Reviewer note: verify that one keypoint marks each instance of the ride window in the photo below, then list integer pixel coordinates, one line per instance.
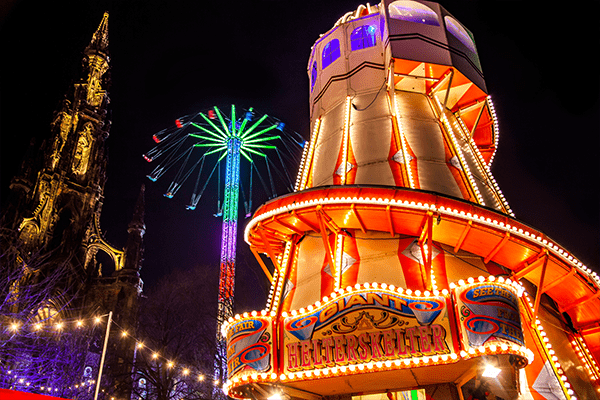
(313, 75)
(459, 32)
(412, 11)
(331, 52)
(362, 37)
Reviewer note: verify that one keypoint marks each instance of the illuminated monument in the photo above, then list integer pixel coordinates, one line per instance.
(400, 269)
(55, 206)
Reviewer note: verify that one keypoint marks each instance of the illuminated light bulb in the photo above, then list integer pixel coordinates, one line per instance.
(470, 280)
(124, 333)
(154, 355)
(481, 278)
(170, 364)
(97, 320)
(79, 323)
(37, 326)
(406, 361)
(59, 326)
(490, 371)
(186, 371)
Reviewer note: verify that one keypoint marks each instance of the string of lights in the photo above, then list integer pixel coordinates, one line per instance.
(14, 328)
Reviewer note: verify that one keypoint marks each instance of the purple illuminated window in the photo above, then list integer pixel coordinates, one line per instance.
(331, 52)
(412, 11)
(313, 75)
(362, 37)
(459, 32)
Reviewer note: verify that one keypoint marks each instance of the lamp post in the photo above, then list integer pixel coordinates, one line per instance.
(103, 355)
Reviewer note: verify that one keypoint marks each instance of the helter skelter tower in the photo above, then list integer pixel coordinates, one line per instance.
(400, 270)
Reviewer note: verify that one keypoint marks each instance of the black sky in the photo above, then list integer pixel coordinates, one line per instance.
(172, 58)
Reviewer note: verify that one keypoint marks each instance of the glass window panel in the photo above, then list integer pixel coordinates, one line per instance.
(331, 52)
(413, 12)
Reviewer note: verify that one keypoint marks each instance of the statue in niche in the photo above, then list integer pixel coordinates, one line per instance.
(82, 151)
(61, 138)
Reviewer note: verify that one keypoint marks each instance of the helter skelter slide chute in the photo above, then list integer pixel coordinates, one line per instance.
(198, 144)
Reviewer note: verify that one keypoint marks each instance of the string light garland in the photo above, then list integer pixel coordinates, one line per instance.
(69, 325)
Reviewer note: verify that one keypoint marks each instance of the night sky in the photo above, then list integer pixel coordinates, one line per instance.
(172, 58)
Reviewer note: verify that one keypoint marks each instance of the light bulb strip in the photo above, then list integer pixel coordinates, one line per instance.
(308, 162)
(586, 358)
(482, 165)
(546, 348)
(458, 151)
(346, 140)
(500, 226)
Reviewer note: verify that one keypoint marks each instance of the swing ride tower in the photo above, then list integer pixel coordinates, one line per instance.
(215, 135)
(400, 270)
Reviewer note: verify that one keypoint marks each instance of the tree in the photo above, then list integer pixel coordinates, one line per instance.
(177, 321)
(37, 352)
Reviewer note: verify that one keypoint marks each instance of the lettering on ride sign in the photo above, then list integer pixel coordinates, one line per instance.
(415, 341)
(364, 327)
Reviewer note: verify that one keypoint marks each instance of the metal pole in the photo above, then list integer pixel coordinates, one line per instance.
(103, 355)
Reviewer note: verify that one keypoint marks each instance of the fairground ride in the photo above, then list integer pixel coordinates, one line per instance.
(400, 269)
(197, 146)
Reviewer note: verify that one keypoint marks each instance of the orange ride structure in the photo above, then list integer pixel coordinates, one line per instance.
(400, 270)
